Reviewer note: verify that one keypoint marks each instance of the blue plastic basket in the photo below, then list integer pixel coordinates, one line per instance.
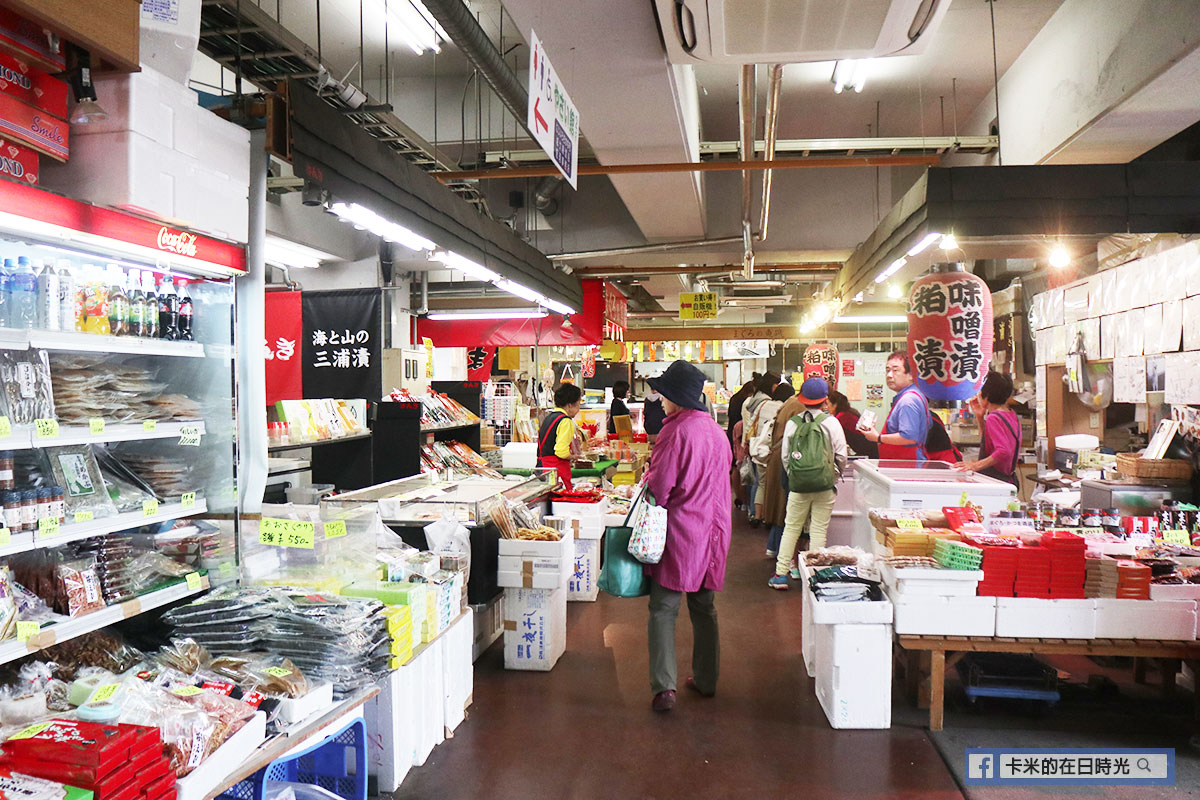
(338, 764)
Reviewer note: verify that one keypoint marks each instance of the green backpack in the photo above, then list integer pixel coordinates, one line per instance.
(809, 457)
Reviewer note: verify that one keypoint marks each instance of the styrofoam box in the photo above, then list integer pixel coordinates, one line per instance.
(128, 170)
(1158, 591)
(854, 674)
(519, 455)
(1145, 619)
(927, 615)
(858, 613)
(206, 778)
(599, 510)
(428, 708)
(930, 581)
(585, 527)
(458, 670)
(146, 102)
(515, 579)
(535, 628)
(533, 563)
(1032, 617)
(558, 557)
(168, 36)
(391, 733)
(808, 636)
(298, 709)
(582, 586)
(614, 520)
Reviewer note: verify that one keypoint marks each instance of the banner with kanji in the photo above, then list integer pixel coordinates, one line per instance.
(342, 347)
(280, 347)
(479, 363)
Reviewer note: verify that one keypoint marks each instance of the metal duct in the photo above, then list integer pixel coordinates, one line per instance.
(543, 199)
(769, 130)
(664, 247)
(747, 97)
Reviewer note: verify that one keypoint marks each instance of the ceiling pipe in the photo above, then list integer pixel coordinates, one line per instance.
(543, 195)
(747, 98)
(770, 129)
(812, 271)
(661, 247)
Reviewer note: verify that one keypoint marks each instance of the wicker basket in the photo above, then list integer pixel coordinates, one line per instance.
(1165, 470)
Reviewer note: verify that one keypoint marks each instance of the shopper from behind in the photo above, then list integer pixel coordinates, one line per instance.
(839, 405)
(653, 414)
(558, 431)
(814, 455)
(775, 492)
(685, 477)
(762, 427)
(999, 428)
(762, 394)
(907, 423)
(618, 407)
(736, 402)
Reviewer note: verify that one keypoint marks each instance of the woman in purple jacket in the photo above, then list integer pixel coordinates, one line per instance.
(688, 476)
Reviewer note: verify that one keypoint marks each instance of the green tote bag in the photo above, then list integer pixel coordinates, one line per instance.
(622, 574)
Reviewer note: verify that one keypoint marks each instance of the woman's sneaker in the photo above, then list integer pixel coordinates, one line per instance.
(778, 582)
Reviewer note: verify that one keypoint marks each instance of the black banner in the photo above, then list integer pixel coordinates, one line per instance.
(342, 343)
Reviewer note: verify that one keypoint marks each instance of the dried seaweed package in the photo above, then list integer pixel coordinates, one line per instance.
(28, 393)
(75, 468)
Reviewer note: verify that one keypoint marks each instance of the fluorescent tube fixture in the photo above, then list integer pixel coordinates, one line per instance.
(464, 265)
(519, 290)
(872, 319)
(290, 254)
(460, 315)
(557, 307)
(368, 220)
(891, 270)
(419, 30)
(850, 73)
(922, 245)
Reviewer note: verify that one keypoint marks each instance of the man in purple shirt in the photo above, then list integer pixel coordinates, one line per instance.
(688, 476)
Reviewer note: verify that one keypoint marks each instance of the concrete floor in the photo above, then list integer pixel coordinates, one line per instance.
(585, 729)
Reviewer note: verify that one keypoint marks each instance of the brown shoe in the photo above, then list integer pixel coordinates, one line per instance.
(690, 683)
(664, 701)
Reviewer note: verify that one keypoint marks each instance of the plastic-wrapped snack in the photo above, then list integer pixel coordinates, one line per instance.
(75, 469)
(270, 675)
(27, 389)
(187, 731)
(79, 587)
(227, 714)
(97, 649)
(226, 603)
(8, 606)
(30, 607)
(185, 655)
(148, 569)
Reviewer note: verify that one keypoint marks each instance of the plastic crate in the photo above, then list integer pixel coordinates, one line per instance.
(1008, 675)
(324, 764)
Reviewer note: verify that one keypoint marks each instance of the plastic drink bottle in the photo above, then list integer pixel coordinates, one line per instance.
(137, 304)
(185, 312)
(49, 291)
(150, 312)
(168, 310)
(66, 296)
(118, 301)
(23, 312)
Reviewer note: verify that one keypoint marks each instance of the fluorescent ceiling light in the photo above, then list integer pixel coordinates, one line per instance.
(920, 246)
(464, 265)
(281, 252)
(458, 315)
(419, 30)
(367, 219)
(519, 290)
(891, 270)
(895, 292)
(871, 319)
(557, 307)
(850, 73)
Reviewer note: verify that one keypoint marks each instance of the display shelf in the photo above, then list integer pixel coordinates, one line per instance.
(58, 632)
(24, 439)
(288, 471)
(74, 341)
(441, 428)
(85, 530)
(277, 448)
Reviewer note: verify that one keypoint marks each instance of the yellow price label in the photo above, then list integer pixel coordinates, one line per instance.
(1176, 537)
(286, 533)
(104, 692)
(149, 508)
(150, 426)
(226, 569)
(5, 427)
(910, 523)
(5, 537)
(186, 691)
(335, 529)
(84, 516)
(278, 672)
(49, 526)
(96, 426)
(31, 731)
(193, 581)
(188, 500)
(45, 428)
(962, 499)
(27, 629)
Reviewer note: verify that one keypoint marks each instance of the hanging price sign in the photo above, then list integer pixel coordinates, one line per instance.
(286, 533)
(335, 529)
(189, 436)
(149, 508)
(188, 500)
(45, 428)
(96, 426)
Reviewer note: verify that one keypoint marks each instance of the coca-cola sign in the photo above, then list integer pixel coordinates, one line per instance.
(178, 242)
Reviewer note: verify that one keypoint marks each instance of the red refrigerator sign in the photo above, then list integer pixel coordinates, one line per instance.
(282, 348)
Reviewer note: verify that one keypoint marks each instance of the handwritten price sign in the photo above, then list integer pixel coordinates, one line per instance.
(286, 533)
(45, 428)
(335, 529)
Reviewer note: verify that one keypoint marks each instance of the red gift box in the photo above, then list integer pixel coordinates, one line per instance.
(158, 787)
(102, 747)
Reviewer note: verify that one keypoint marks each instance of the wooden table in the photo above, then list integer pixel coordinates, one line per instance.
(946, 651)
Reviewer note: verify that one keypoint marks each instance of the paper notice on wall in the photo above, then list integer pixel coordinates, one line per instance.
(1135, 332)
(874, 395)
(1190, 258)
(1108, 336)
(1191, 323)
(1129, 380)
(853, 389)
(1075, 302)
(1172, 326)
(1153, 329)
(1091, 338)
(1183, 378)
(1171, 280)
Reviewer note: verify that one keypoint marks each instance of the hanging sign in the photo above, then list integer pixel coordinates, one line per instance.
(552, 117)
(588, 369)
(949, 334)
(282, 330)
(479, 363)
(698, 305)
(821, 360)
(341, 343)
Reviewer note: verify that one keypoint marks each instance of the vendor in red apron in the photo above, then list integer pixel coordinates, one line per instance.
(907, 424)
(558, 431)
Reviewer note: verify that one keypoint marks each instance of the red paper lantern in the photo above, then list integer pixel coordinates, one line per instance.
(821, 360)
(949, 333)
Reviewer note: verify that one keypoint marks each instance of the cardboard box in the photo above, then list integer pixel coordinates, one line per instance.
(535, 628)
(928, 615)
(1031, 617)
(1171, 620)
(854, 674)
(581, 586)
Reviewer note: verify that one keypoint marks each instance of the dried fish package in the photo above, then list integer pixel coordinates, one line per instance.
(75, 468)
(28, 395)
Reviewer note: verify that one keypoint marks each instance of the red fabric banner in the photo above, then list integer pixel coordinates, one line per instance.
(479, 363)
(586, 327)
(282, 347)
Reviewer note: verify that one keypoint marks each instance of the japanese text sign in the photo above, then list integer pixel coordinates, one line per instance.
(341, 343)
(949, 334)
(698, 305)
(821, 361)
(553, 118)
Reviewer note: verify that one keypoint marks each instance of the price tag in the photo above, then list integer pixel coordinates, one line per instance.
(188, 500)
(5, 427)
(150, 425)
(31, 731)
(149, 508)
(962, 499)
(910, 524)
(84, 516)
(189, 436)
(48, 526)
(335, 529)
(226, 569)
(186, 691)
(96, 426)
(278, 672)
(27, 629)
(5, 537)
(1176, 537)
(193, 581)
(104, 692)
(45, 428)
(286, 533)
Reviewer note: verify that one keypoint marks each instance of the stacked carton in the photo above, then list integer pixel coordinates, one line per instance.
(535, 576)
(587, 529)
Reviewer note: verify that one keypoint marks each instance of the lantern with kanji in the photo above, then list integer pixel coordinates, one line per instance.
(821, 360)
(949, 333)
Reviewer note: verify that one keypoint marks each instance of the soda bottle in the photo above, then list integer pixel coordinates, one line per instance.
(150, 311)
(168, 310)
(118, 301)
(137, 304)
(185, 313)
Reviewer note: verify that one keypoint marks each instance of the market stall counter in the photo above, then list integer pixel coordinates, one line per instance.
(408, 505)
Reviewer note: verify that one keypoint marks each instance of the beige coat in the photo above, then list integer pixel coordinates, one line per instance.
(775, 507)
